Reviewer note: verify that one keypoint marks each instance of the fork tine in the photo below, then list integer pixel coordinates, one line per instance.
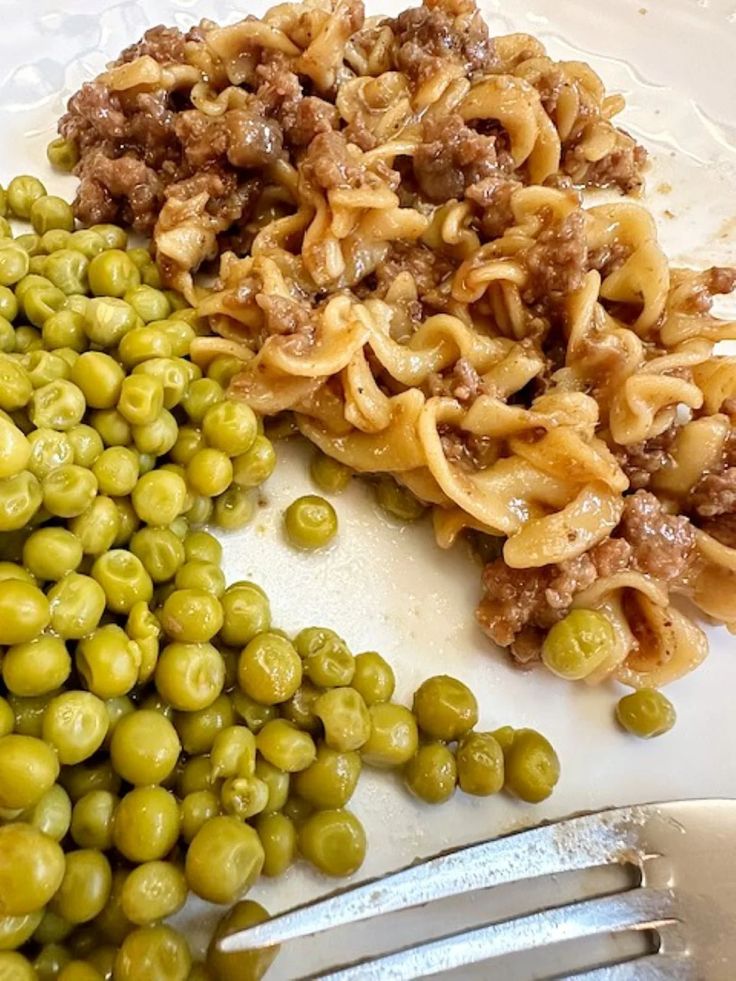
(563, 846)
(638, 909)
(652, 967)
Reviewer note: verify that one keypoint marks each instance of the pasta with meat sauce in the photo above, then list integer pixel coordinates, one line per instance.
(406, 264)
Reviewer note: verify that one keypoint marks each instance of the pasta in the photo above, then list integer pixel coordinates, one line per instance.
(406, 264)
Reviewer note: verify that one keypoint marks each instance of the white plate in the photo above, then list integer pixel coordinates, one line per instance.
(388, 587)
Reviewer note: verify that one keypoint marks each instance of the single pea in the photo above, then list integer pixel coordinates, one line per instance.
(53, 929)
(99, 377)
(646, 713)
(123, 579)
(200, 397)
(277, 782)
(92, 820)
(255, 466)
(445, 708)
(15, 385)
(7, 331)
(31, 869)
(160, 551)
(50, 961)
(286, 747)
(190, 676)
(55, 239)
(310, 522)
(58, 405)
(240, 965)
(153, 891)
(145, 748)
(200, 512)
(37, 667)
(49, 212)
(230, 426)
(209, 472)
(20, 500)
(67, 270)
(327, 661)
(233, 752)
(88, 242)
(234, 508)
(76, 603)
(16, 930)
(171, 373)
(85, 887)
(116, 709)
(201, 575)
(393, 737)
(159, 497)
(180, 335)
(27, 339)
(75, 724)
(243, 797)
(329, 782)
(28, 713)
(24, 612)
(195, 775)
(197, 808)
(112, 428)
(8, 305)
(68, 491)
(141, 399)
(269, 670)
(14, 264)
(299, 709)
(107, 319)
(102, 959)
(51, 814)
(15, 450)
(224, 368)
(150, 304)
(28, 768)
(333, 841)
(108, 661)
(129, 521)
(113, 236)
(112, 274)
(146, 824)
(86, 444)
(22, 192)
(345, 718)
(531, 765)
(50, 553)
(397, 501)
(7, 718)
(224, 859)
(62, 154)
(198, 730)
(16, 967)
(11, 570)
(44, 367)
(191, 616)
(79, 970)
(97, 527)
(251, 712)
(578, 644)
(480, 764)
(330, 476)
(117, 471)
(83, 779)
(373, 678)
(38, 305)
(153, 953)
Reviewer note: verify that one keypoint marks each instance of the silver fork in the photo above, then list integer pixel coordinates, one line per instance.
(683, 894)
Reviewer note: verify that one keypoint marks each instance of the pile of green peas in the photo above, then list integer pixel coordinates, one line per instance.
(158, 735)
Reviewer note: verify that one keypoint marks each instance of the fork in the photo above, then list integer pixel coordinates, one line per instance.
(683, 894)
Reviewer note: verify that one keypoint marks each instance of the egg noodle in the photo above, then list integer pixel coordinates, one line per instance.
(417, 280)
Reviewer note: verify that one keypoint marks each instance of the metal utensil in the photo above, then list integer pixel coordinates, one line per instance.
(683, 894)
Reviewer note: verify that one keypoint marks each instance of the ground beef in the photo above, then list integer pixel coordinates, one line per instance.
(462, 383)
(450, 157)
(722, 528)
(557, 261)
(493, 195)
(253, 140)
(622, 168)
(714, 494)
(662, 543)
(430, 35)
(328, 164)
(284, 315)
(164, 44)
(204, 139)
(123, 190)
(640, 461)
(609, 258)
(518, 599)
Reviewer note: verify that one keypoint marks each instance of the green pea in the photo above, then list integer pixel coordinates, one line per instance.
(49, 212)
(112, 274)
(112, 428)
(286, 747)
(128, 521)
(68, 490)
(333, 841)
(277, 782)
(156, 437)
(62, 154)
(201, 396)
(15, 385)
(329, 782)
(51, 553)
(150, 304)
(15, 450)
(7, 332)
(124, 580)
(8, 304)
(22, 192)
(14, 264)
(107, 319)
(201, 575)
(251, 712)
(24, 612)
(108, 661)
(480, 764)
(445, 708)
(310, 522)
(146, 824)
(144, 748)
(191, 616)
(373, 678)
(20, 500)
(37, 263)
(532, 768)
(230, 426)
(85, 888)
(160, 551)
(92, 820)
(116, 470)
(67, 270)
(241, 964)
(58, 405)
(330, 476)
(88, 242)
(197, 808)
(279, 841)
(200, 511)
(209, 472)
(97, 526)
(190, 676)
(40, 304)
(224, 368)
(44, 367)
(327, 661)
(28, 769)
(143, 343)
(83, 779)
(64, 329)
(86, 443)
(54, 240)
(179, 333)
(76, 604)
(75, 724)
(37, 667)
(243, 797)
(345, 718)
(199, 730)
(234, 508)
(31, 868)
(397, 501)
(224, 859)
(252, 468)
(173, 375)
(393, 736)
(646, 713)
(233, 753)
(153, 891)
(269, 670)
(299, 709)
(159, 497)
(141, 399)
(51, 814)
(578, 644)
